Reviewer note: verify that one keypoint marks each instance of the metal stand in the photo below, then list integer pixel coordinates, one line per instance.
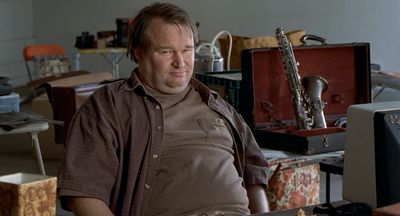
(31, 128)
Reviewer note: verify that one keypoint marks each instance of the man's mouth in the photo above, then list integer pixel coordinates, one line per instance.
(178, 73)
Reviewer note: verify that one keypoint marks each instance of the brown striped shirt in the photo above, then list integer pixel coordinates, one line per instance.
(114, 143)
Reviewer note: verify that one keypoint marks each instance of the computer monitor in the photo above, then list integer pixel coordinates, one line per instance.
(372, 154)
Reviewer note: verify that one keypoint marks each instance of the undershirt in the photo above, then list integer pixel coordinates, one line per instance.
(197, 174)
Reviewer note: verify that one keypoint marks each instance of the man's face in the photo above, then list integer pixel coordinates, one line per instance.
(167, 63)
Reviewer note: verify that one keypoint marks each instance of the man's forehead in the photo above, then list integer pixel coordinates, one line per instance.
(159, 30)
(158, 24)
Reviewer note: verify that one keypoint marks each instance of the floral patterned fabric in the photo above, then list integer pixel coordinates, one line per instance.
(295, 184)
(33, 198)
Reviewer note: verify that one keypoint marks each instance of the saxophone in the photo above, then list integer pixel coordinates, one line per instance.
(307, 103)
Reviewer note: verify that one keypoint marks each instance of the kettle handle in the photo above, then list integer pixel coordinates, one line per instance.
(214, 50)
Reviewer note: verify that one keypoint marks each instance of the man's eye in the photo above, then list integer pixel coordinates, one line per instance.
(166, 52)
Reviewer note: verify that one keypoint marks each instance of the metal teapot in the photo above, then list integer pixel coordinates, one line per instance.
(208, 59)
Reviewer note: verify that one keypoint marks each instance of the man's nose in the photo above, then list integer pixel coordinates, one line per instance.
(178, 60)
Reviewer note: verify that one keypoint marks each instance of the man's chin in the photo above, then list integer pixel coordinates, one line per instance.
(176, 89)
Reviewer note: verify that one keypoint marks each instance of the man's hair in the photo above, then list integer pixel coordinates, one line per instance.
(168, 12)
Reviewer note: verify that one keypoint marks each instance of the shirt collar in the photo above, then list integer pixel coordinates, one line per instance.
(133, 83)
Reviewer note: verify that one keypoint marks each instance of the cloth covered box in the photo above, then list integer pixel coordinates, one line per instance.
(27, 194)
(295, 184)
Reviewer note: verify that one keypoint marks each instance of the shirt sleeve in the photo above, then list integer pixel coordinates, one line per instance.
(90, 164)
(255, 164)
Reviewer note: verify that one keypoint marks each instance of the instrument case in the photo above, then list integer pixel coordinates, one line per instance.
(265, 99)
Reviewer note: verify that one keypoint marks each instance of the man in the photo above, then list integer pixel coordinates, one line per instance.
(160, 142)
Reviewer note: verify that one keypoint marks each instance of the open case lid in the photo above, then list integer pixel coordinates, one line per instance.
(265, 96)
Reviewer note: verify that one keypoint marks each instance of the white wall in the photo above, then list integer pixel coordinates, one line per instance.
(16, 30)
(58, 21)
(340, 21)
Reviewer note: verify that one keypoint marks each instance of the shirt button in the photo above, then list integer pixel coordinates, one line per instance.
(158, 107)
(147, 186)
(155, 156)
(159, 127)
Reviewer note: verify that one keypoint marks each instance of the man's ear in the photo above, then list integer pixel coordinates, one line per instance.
(138, 54)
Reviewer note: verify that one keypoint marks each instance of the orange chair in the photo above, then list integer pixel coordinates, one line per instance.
(31, 51)
(52, 51)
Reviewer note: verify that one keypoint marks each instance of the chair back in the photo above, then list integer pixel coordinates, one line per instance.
(31, 51)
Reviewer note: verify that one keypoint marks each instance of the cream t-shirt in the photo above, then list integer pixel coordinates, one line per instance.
(197, 174)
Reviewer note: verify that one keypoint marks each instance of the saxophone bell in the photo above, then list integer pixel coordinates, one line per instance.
(314, 86)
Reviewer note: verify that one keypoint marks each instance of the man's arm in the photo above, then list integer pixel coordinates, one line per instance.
(258, 202)
(84, 206)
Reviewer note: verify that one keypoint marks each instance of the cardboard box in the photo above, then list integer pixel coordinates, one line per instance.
(51, 148)
(27, 194)
(67, 95)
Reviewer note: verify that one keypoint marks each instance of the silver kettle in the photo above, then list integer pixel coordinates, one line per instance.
(208, 59)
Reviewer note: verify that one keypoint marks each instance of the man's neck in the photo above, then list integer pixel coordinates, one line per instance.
(166, 99)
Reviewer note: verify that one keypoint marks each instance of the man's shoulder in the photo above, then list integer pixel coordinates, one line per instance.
(111, 95)
(116, 87)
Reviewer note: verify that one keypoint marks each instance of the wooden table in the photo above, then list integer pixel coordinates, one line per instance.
(331, 166)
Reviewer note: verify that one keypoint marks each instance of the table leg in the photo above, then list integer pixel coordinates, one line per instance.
(328, 187)
(117, 57)
(114, 65)
(379, 92)
(38, 153)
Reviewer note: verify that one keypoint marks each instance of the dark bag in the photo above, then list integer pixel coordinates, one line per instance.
(5, 88)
